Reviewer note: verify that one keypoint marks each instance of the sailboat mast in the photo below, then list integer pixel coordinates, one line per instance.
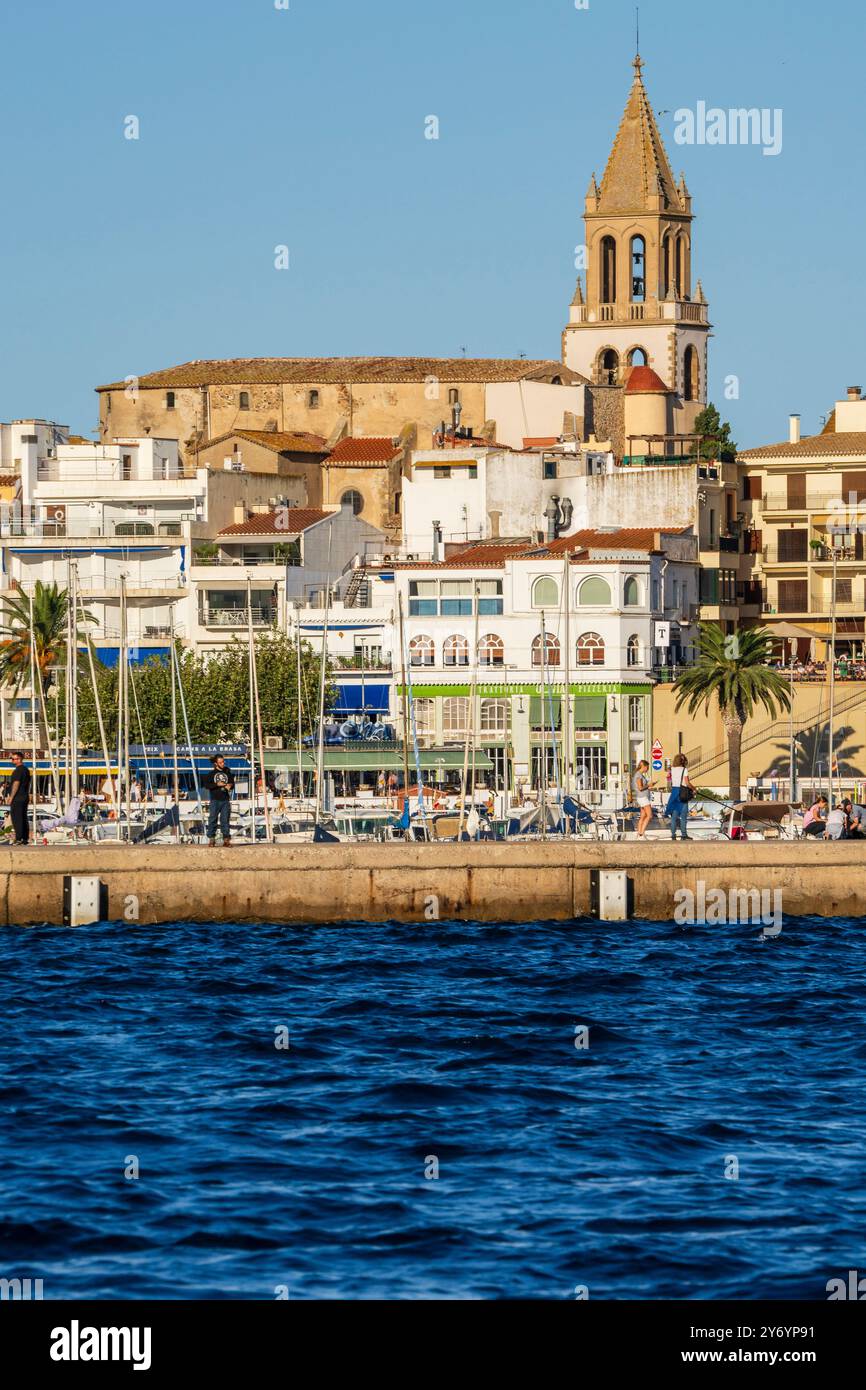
(405, 702)
(251, 677)
(832, 682)
(174, 732)
(567, 737)
(33, 710)
(124, 621)
(300, 710)
(320, 758)
(543, 729)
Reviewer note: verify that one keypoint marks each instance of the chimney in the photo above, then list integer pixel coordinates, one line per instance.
(794, 435)
(854, 393)
(437, 538)
(239, 515)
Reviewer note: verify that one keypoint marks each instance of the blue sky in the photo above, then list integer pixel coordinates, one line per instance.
(305, 127)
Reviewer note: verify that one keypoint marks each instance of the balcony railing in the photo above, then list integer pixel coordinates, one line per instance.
(237, 617)
(101, 470)
(62, 530)
(825, 502)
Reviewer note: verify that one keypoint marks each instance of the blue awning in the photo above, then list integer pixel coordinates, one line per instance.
(110, 656)
(357, 699)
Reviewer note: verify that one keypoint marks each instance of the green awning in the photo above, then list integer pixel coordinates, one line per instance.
(540, 712)
(590, 712)
(372, 759)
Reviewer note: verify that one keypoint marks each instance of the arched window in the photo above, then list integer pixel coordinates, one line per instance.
(545, 593)
(556, 381)
(553, 651)
(455, 715)
(691, 375)
(455, 651)
(590, 650)
(608, 371)
(594, 593)
(666, 265)
(453, 395)
(681, 267)
(422, 651)
(638, 270)
(633, 651)
(638, 357)
(313, 400)
(355, 499)
(491, 651)
(244, 400)
(608, 270)
(632, 592)
(425, 715)
(494, 716)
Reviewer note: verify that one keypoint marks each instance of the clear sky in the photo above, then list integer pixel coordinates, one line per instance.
(305, 127)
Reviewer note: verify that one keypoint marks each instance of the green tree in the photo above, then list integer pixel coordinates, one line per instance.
(732, 670)
(717, 443)
(50, 616)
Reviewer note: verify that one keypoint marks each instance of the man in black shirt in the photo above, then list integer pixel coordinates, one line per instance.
(220, 783)
(19, 798)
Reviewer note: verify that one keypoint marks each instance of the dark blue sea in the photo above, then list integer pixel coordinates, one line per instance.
(309, 1169)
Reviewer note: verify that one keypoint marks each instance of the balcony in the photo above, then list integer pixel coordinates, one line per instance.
(824, 502)
(237, 618)
(102, 471)
(76, 531)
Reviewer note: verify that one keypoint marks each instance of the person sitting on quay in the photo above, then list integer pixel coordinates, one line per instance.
(837, 823)
(815, 819)
(856, 820)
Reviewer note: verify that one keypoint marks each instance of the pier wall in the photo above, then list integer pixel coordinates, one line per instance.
(415, 883)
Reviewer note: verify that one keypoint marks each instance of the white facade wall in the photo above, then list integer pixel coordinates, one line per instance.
(531, 409)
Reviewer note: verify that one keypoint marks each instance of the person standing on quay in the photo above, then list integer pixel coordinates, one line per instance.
(220, 783)
(19, 798)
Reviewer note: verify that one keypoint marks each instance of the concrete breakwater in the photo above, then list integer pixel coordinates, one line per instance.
(522, 882)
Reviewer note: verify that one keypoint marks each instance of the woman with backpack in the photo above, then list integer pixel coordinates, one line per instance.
(682, 792)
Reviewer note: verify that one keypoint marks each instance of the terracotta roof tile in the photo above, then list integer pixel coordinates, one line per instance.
(291, 519)
(338, 371)
(372, 450)
(814, 446)
(643, 380)
(295, 442)
(9, 479)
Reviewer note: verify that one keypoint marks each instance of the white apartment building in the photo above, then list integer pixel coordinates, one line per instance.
(584, 619)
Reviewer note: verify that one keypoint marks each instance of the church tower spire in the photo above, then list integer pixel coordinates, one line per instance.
(640, 307)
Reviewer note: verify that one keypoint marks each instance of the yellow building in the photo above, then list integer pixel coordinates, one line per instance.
(807, 498)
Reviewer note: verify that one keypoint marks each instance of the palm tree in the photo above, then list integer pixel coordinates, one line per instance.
(733, 670)
(50, 619)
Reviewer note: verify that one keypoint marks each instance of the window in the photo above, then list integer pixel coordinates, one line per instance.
(545, 593)
(553, 651)
(632, 593)
(455, 652)
(793, 544)
(590, 650)
(244, 401)
(545, 713)
(635, 714)
(423, 598)
(313, 400)
(126, 467)
(494, 716)
(396, 503)
(594, 593)
(633, 651)
(793, 595)
(354, 499)
(169, 400)
(425, 716)
(455, 715)
(453, 396)
(638, 357)
(590, 765)
(638, 270)
(844, 593)
(489, 598)
(550, 468)
(422, 651)
(609, 368)
(456, 601)
(608, 270)
(797, 492)
(441, 472)
(666, 266)
(491, 651)
(691, 375)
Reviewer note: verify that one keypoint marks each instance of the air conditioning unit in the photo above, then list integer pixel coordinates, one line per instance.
(273, 744)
